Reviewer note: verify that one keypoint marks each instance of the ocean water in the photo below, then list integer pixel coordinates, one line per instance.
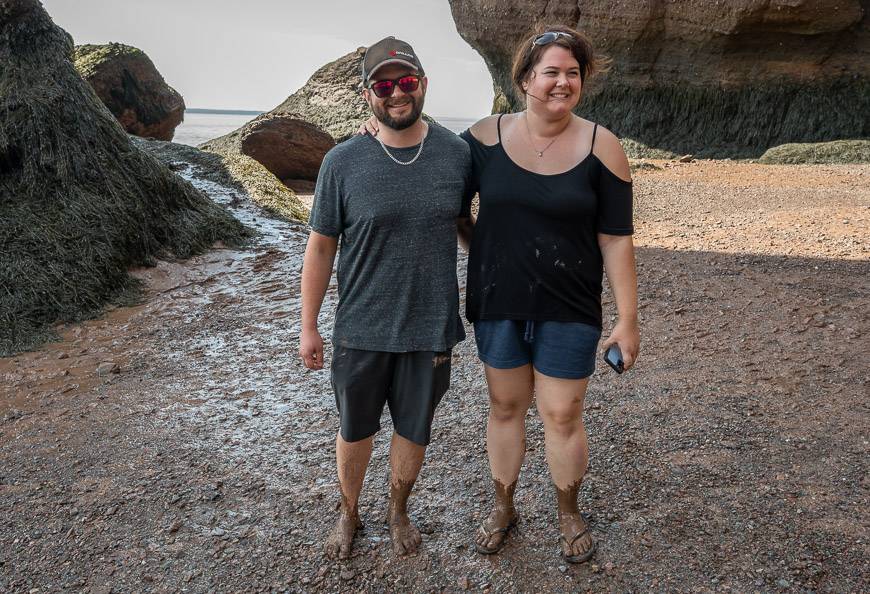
(455, 124)
(199, 127)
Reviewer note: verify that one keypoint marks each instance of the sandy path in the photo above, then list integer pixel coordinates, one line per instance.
(732, 459)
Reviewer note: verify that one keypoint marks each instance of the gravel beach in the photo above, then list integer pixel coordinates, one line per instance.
(179, 445)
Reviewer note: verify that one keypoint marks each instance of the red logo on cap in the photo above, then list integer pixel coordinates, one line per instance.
(392, 52)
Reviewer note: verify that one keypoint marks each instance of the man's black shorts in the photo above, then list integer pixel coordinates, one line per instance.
(411, 383)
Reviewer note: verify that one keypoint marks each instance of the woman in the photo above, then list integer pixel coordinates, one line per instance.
(555, 210)
(555, 205)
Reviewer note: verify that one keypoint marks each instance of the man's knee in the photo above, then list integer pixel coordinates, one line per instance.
(359, 440)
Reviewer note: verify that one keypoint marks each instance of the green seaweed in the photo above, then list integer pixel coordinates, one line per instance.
(638, 150)
(827, 153)
(500, 103)
(79, 203)
(734, 123)
(87, 58)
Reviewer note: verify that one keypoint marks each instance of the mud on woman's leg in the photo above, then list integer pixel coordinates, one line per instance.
(560, 403)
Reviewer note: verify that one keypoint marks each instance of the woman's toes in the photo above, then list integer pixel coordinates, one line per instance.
(582, 545)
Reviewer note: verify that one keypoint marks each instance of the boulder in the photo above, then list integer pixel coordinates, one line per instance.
(292, 139)
(79, 203)
(726, 78)
(288, 146)
(331, 98)
(128, 83)
(285, 144)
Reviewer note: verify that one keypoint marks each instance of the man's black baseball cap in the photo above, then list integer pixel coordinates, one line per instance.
(389, 51)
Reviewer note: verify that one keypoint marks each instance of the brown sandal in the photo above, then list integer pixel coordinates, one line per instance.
(568, 544)
(505, 531)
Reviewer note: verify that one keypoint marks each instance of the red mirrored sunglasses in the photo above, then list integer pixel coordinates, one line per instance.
(385, 88)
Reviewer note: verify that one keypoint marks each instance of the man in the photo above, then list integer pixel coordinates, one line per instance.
(393, 202)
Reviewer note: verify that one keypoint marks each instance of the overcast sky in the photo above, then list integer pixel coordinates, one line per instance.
(227, 54)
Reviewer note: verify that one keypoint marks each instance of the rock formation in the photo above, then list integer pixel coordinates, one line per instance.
(79, 204)
(726, 77)
(286, 145)
(126, 80)
(233, 170)
(835, 152)
(292, 139)
(331, 98)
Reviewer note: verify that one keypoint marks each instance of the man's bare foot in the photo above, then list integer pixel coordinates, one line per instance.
(339, 541)
(576, 539)
(491, 535)
(404, 535)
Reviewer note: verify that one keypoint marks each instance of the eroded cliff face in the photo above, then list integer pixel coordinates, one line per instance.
(711, 77)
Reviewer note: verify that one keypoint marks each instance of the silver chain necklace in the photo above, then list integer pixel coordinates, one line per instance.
(541, 152)
(419, 150)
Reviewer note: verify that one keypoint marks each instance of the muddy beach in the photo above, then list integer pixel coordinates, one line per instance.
(179, 445)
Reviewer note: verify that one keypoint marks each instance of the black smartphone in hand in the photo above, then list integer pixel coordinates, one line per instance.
(613, 357)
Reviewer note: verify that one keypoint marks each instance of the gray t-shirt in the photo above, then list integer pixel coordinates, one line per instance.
(397, 288)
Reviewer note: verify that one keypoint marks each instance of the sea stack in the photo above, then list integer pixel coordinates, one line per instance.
(292, 139)
(128, 83)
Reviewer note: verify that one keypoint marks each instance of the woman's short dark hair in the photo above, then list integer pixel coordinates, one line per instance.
(528, 54)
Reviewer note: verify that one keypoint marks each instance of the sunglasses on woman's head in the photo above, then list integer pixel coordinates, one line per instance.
(549, 37)
(385, 88)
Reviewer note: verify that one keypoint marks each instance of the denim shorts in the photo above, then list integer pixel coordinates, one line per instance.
(558, 349)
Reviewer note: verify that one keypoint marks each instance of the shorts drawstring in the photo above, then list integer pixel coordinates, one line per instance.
(529, 335)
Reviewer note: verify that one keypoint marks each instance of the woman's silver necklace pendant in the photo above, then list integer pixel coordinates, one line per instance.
(395, 160)
(541, 152)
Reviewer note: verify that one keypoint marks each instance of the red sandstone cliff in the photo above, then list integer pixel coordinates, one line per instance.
(732, 76)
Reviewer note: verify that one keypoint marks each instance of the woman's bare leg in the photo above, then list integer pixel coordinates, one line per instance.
(510, 395)
(560, 404)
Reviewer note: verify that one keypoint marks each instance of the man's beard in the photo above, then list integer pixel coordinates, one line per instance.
(382, 113)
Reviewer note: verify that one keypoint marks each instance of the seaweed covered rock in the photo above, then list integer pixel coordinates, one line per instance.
(234, 170)
(285, 144)
(128, 83)
(818, 153)
(727, 78)
(79, 203)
